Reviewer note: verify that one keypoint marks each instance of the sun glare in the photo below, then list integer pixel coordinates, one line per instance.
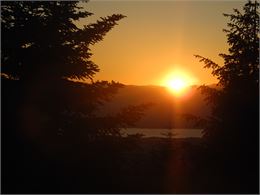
(177, 84)
(178, 81)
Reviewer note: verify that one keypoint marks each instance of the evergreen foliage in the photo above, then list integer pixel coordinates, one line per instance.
(237, 93)
(41, 39)
(46, 53)
(232, 130)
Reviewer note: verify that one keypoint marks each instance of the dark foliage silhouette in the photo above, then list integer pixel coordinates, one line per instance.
(49, 43)
(51, 134)
(232, 132)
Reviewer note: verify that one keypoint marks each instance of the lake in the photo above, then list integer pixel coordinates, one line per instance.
(179, 133)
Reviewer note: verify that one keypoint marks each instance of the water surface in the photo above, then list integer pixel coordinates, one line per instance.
(178, 133)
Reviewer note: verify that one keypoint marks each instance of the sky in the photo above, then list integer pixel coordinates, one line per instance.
(158, 38)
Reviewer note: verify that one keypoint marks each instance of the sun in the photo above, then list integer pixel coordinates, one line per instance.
(177, 81)
(176, 84)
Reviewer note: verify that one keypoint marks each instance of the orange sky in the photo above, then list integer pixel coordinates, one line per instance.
(158, 37)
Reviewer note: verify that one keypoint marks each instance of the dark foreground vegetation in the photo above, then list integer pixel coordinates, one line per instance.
(121, 165)
(53, 142)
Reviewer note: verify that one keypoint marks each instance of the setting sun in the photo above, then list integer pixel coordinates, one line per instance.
(176, 84)
(177, 81)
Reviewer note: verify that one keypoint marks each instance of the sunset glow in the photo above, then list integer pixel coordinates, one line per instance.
(177, 81)
(176, 84)
(137, 57)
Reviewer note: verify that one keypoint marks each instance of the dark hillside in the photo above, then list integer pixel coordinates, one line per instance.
(166, 109)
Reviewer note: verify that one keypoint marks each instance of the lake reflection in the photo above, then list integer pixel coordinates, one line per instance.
(178, 133)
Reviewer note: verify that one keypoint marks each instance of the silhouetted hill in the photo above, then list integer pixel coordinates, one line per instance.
(166, 110)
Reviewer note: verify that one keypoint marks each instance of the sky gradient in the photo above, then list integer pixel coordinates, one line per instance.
(157, 37)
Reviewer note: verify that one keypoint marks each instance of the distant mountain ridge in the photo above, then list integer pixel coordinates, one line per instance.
(167, 109)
